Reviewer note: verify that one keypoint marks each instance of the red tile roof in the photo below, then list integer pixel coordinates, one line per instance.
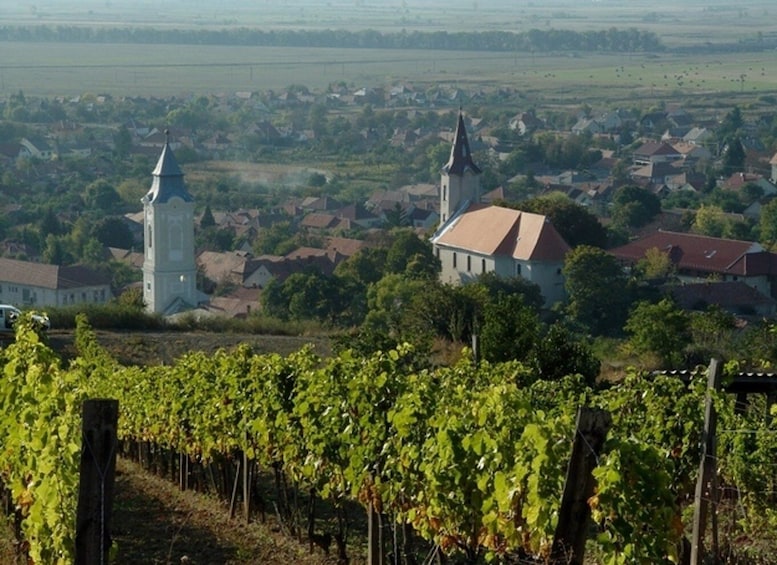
(705, 254)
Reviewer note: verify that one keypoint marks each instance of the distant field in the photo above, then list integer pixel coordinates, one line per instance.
(53, 69)
(677, 23)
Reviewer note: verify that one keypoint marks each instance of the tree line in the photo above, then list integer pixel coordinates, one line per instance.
(535, 40)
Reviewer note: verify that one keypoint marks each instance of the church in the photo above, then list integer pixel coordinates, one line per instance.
(476, 238)
(169, 269)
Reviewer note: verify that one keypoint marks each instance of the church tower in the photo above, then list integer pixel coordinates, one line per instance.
(169, 270)
(460, 177)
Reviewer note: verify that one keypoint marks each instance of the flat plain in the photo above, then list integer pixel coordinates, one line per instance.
(70, 69)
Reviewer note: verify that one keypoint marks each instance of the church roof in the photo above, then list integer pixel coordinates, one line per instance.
(493, 230)
(168, 179)
(460, 160)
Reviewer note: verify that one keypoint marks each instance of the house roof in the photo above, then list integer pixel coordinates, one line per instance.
(54, 277)
(344, 245)
(738, 180)
(652, 148)
(460, 160)
(223, 266)
(514, 233)
(703, 254)
(319, 221)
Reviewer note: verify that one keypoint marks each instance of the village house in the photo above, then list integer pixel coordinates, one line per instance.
(25, 283)
(699, 258)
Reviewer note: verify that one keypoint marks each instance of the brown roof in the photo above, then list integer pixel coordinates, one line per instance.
(54, 277)
(656, 148)
(344, 245)
(738, 180)
(493, 230)
(225, 266)
(318, 220)
(704, 254)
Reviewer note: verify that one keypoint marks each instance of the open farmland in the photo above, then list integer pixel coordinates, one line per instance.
(678, 23)
(53, 69)
(692, 31)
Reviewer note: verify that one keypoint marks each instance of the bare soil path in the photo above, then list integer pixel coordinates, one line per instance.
(154, 523)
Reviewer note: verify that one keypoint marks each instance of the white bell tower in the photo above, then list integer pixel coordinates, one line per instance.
(169, 269)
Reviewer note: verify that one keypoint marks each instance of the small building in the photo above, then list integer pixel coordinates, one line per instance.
(699, 258)
(25, 283)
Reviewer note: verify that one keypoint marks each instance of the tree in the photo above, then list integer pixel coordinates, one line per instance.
(389, 301)
(364, 267)
(122, 142)
(768, 224)
(634, 206)
(55, 252)
(559, 353)
(731, 124)
(662, 329)
(733, 156)
(598, 290)
(656, 264)
(405, 246)
(509, 329)
(573, 222)
(494, 284)
(207, 220)
(113, 232)
(101, 196)
(272, 238)
(710, 220)
(49, 223)
(396, 217)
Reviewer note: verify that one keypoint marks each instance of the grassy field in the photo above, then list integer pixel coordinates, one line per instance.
(51, 69)
(54, 69)
(676, 22)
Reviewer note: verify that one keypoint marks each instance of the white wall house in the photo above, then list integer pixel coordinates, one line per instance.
(23, 283)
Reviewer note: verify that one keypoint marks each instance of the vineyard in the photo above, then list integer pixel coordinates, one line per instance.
(460, 464)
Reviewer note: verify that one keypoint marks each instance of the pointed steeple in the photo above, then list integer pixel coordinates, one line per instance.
(461, 156)
(168, 178)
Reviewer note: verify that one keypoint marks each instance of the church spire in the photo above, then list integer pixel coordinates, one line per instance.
(460, 176)
(461, 156)
(168, 177)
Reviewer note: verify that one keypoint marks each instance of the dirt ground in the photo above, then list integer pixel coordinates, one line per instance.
(155, 523)
(153, 348)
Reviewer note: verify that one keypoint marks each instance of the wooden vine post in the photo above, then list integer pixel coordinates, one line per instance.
(706, 483)
(374, 536)
(574, 514)
(97, 472)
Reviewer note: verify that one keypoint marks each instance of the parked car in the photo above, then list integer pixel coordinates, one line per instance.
(9, 314)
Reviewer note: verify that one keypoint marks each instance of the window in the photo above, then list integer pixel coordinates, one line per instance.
(150, 236)
(483, 266)
(454, 260)
(518, 269)
(469, 263)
